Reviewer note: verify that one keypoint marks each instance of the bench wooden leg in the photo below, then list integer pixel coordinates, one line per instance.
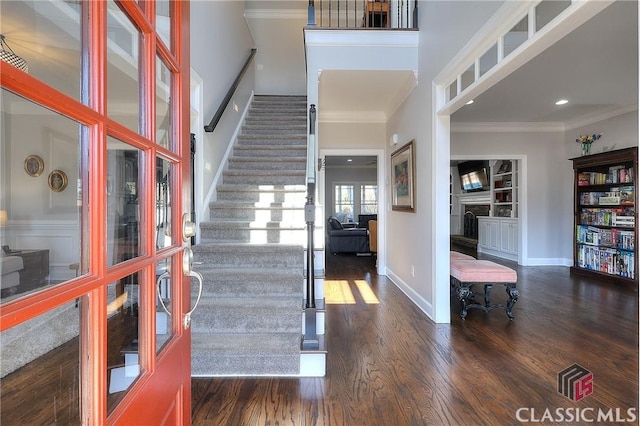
(467, 296)
(513, 294)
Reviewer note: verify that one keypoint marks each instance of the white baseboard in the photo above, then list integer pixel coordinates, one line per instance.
(424, 305)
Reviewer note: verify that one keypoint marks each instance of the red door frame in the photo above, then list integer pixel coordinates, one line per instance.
(162, 394)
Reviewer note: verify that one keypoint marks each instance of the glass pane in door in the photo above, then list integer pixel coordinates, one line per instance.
(163, 203)
(164, 330)
(123, 87)
(40, 369)
(123, 364)
(40, 207)
(47, 36)
(163, 21)
(163, 105)
(123, 208)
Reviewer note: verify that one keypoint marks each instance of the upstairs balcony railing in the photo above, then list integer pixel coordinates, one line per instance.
(352, 14)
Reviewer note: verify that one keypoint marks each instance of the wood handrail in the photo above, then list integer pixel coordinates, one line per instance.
(223, 105)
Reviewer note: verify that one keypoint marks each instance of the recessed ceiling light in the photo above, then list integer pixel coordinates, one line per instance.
(470, 102)
(349, 160)
(562, 102)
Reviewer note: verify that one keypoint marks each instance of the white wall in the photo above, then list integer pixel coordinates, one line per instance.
(444, 28)
(279, 62)
(220, 45)
(351, 135)
(618, 132)
(549, 195)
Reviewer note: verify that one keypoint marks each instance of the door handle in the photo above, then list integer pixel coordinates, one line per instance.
(188, 227)
(187, 264)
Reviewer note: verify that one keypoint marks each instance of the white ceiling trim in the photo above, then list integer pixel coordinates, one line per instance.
(353, 117)
(507, 127)
(402, 94)
(363, 38)
(603, 114)
(275, 14)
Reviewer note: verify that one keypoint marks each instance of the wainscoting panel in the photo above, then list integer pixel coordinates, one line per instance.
(61, 238)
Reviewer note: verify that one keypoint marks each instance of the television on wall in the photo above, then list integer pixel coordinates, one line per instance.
(473, 175)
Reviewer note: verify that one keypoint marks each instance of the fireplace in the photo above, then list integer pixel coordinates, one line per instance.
(470, 219)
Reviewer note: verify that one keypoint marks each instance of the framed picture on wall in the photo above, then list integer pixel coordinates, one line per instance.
(403, 178)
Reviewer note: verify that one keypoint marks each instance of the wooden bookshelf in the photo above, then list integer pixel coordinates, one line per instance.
(504, 188)
(605, 215)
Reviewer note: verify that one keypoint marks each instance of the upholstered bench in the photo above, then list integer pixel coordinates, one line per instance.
(465, 273)
(455, 255)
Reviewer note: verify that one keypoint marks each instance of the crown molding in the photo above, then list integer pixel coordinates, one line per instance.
(529, 127)
(352, 117)
(507, 127)
(603, 114)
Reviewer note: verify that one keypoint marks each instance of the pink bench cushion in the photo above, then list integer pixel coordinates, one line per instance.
(482, 271)
(454, 255)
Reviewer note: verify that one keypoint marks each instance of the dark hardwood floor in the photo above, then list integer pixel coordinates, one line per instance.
(388, 364)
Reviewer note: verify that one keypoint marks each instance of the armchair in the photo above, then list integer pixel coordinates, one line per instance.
(341, 240)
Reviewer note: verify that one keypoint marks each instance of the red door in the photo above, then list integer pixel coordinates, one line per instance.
(94, 185)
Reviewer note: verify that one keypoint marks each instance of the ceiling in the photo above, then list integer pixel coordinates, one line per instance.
(333, 161)
(595, 67)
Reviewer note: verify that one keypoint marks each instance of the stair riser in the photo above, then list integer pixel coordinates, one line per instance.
(229, 178)
(238, 320)
(275, 119)
(293, 164)
(259, 260)
(262, 196)
(273, 140)
(249, 214)
(226, 286)
(254, 236)
(264, 130)
(285, 152)
(224, 366)
(293, 116)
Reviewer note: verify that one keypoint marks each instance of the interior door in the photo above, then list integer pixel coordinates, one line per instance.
(96, 273)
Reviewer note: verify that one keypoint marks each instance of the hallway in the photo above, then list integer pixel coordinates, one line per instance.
(389, 364)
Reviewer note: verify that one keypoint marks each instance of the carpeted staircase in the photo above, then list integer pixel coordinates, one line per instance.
(249, 320)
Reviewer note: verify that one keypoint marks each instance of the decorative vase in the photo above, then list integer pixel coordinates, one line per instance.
(586, 148)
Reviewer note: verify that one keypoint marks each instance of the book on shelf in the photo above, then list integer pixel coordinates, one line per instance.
(614, 238)
(610, 261)
(616, 174)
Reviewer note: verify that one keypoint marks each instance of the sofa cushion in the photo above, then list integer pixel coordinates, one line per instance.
(9, 271)
(10, 264)
(335, 223)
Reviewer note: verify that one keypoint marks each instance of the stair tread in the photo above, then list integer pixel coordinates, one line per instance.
(266, 344)
(268, 159)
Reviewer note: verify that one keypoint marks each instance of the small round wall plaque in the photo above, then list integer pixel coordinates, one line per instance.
(58, 180)
(33, 165)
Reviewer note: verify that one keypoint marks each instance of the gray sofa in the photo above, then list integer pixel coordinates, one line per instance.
(10, 267)
(346, 240)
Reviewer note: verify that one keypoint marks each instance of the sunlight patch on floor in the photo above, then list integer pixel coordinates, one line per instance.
(367, 294)
(338, 292)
